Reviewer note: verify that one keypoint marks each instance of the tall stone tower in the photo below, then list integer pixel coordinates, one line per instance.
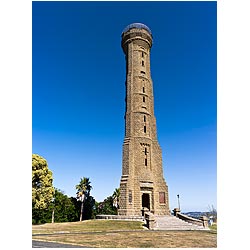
(142, 183)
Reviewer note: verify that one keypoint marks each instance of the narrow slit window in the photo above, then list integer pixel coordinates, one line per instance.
(143, 99)
(145, 129)
(142, 54)
(146, 162)
(144, 118)
(142, 63)
(145, 151)
(143, 89)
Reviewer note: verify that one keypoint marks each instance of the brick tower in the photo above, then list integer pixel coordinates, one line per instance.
(142, 183)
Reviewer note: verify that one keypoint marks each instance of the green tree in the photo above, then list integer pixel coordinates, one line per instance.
(83, 192)
(110, 205)
(42, 183)
(89, 208)
(106, 207)
(64, 209)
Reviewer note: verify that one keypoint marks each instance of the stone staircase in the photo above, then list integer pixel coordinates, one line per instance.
(169, 222)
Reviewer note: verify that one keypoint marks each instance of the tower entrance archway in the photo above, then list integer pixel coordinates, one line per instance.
(146, 200)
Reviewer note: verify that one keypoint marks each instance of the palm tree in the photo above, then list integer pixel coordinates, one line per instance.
(116, 197)
(83, 191)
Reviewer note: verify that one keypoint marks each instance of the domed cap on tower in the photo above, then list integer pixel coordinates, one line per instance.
(137, 26)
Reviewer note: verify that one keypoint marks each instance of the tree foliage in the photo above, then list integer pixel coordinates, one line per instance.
(116, 197)
(89, 208)
(83, 195)
(66, 209)
(42, 183)
(49, 202)
(110, 205)
(84, 187)
(106, 206)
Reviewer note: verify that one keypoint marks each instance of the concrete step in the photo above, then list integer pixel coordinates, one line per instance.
(174, 223)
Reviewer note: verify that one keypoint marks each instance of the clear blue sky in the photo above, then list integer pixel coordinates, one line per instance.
(78, 92)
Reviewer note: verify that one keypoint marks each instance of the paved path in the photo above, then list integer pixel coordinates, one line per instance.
(45, 244)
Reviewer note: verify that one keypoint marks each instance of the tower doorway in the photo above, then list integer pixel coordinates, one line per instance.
(146, 200)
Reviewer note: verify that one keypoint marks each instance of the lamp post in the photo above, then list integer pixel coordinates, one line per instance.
(178, 196)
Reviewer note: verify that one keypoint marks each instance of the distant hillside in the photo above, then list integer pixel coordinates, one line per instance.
(195, 215)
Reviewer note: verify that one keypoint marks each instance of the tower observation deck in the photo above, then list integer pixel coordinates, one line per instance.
(142, 183)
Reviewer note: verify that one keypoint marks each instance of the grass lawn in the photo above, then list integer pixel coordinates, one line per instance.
(121, 234)
(213, 227)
